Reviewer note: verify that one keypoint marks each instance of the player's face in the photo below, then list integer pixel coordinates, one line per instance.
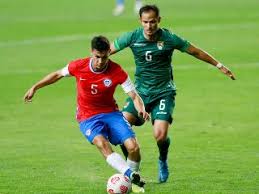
(100, 59)
(149, 21)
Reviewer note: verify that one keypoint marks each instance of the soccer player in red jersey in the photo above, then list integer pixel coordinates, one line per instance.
(98, 115)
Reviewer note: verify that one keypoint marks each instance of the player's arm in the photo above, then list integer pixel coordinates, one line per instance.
(121, 42)
(129, 88)
(204, 56)
(47, 80)
(113, 49)
(139, 105)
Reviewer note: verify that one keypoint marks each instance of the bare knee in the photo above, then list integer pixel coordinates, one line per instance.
(160, 137)
(133, 149)
(103, 145)
(160, 130)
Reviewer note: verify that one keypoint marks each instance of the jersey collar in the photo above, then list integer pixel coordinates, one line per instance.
(158, 34)
(97, 72)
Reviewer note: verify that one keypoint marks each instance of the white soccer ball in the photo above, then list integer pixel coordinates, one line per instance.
(118, 184)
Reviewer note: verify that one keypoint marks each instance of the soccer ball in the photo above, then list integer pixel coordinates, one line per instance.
(118, 184)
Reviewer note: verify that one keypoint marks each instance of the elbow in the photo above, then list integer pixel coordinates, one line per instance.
(58, 74)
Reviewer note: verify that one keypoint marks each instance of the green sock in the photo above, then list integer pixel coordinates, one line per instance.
(163, 149)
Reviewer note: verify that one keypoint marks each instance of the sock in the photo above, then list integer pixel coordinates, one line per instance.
(128, 173)
(124, 150)
(163, 149)
(134, 166)
(116, 161)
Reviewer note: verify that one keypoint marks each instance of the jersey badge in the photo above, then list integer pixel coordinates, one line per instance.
(160, 45)
(88, 132)
(107, 82)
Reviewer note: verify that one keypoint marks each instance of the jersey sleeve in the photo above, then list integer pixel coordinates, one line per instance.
(128, 86)
(123, 41)
(121, 75)
(179, 43)
(72, 68)
(65, 71)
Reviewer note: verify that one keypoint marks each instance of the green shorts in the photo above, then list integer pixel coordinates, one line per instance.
(159, 106)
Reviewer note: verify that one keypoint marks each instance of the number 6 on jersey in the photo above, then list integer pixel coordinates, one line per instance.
(148, 56)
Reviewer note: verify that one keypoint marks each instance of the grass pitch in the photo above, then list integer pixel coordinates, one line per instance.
(216, 130)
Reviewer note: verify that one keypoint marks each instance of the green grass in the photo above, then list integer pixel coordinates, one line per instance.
(215, 135)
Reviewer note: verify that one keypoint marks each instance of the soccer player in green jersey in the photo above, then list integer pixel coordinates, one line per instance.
(153, 48)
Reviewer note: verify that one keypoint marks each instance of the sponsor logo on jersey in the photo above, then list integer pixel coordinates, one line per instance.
(82, 79)
(160, 45)
(139, 44)
(161, 113)
(107, 82)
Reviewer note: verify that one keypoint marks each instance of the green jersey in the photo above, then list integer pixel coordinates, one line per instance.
(153, 59)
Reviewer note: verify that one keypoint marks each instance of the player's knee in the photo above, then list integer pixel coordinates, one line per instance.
(160, 137)
(102, 144)
(133, 149)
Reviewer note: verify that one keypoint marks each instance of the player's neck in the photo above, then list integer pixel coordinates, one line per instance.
(96, 69)
(152, 37)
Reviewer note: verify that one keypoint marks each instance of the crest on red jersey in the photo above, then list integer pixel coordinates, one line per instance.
(107, 82)
(88, 132)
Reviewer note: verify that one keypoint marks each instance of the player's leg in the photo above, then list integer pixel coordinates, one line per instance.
(114, 159)
(120, 132)
(163, 142)
(161, 118)
(103, 145)
(133, 150)
(96, 132)
(119, 9)
(131, 119)
(133, 161)
(131, 115)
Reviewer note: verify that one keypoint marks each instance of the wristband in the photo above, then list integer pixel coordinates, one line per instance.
(219, 65)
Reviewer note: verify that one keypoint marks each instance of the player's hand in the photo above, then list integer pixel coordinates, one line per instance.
(144, 115)
(29, 95)
(227, 72)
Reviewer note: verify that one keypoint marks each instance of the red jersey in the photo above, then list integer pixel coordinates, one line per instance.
(95, 90)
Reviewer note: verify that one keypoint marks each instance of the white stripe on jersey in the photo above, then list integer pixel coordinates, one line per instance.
(128, 86)
(65, 71)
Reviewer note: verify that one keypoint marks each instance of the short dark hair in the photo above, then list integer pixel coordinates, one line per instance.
(100, 43)
(147, 8)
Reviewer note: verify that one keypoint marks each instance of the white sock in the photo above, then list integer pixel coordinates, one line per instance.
(116, 161)
(134, 166)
